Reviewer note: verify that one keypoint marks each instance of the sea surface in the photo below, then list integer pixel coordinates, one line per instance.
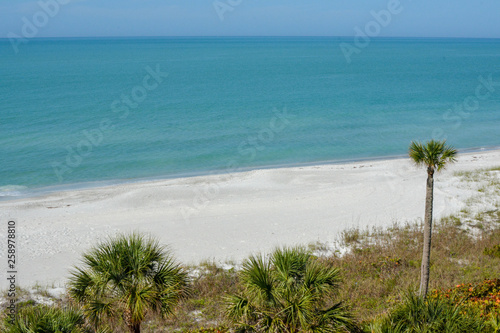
(84, 112)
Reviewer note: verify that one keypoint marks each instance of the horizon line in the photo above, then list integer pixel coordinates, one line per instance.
(252, 36)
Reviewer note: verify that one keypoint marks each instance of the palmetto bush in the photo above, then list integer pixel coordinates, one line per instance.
(432, 315)
(127, 277)
(292, 291)
(45, 319)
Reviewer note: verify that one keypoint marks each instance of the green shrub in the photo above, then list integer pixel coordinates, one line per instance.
(483, 297)
(492, 251)
(45, 319)
(290, 292)
(129, 277)
(418, 315)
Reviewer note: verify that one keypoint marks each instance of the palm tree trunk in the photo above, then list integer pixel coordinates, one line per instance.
(426, 255)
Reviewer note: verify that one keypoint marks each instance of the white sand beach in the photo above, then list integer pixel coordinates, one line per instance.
(227, 217)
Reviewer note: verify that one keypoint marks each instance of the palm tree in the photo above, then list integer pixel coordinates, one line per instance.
(434, 155)
(288, 293)
(130, 276)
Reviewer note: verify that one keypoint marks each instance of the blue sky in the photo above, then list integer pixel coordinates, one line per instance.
(418, 18)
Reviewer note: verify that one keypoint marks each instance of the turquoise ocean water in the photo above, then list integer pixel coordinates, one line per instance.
(78, 112)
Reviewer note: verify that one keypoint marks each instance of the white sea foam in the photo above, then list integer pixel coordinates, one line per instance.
(12, 190)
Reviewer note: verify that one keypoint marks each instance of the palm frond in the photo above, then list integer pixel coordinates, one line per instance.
(417, 153)
(41, 318)
(337, 316)
(286, 294)
(290, 264)
(134, 273)
(239, 308)
(321, 279)
(417, 314)
(434, 154)
(96, 310)
(257, 279)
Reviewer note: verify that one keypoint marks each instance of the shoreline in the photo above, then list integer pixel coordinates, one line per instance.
(96, 184)
(226, 217)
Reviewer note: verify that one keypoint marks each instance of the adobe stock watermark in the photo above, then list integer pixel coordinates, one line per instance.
(122, 106)
(222, 7)
(12, 265)
(373, 28)
(31, 27)
(247, 151)
(460, 111)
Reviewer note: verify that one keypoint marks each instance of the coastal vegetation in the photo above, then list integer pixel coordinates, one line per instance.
(42, 318)
(369, 277)
(292, 291)
(124, 278)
